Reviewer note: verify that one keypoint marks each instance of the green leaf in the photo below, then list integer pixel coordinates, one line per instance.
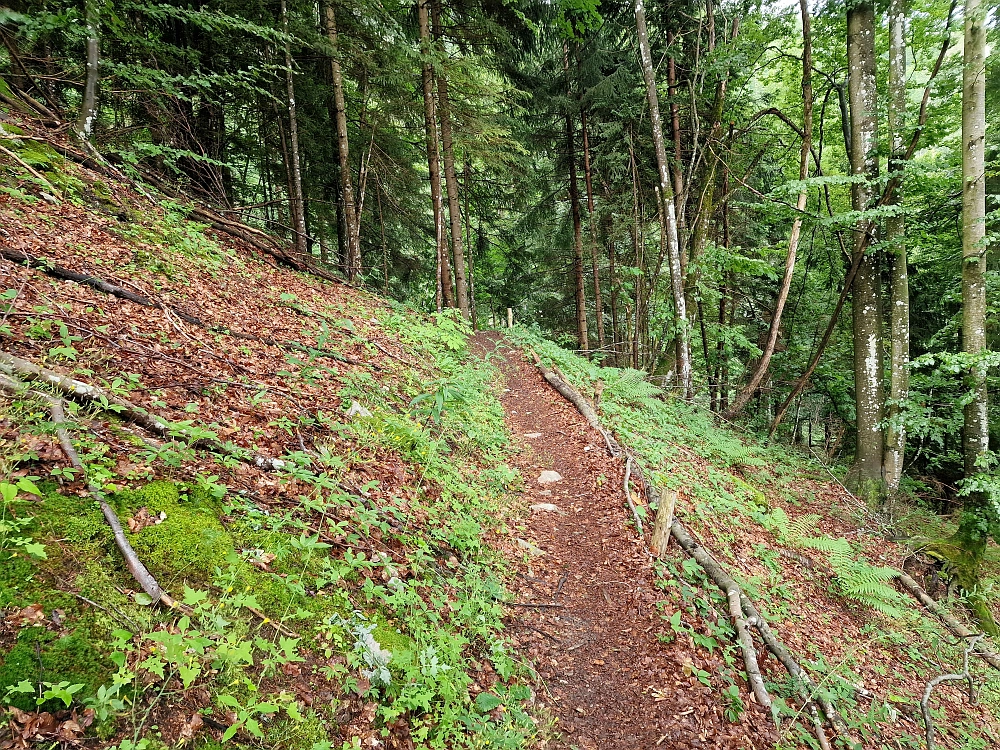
(142, 599)
(486, 702)
(36, 549)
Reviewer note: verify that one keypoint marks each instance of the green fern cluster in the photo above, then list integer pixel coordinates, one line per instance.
(628, 386)
(855, 577)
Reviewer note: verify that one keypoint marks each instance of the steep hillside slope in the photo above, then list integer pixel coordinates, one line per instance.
(340, 594)
(350, 534)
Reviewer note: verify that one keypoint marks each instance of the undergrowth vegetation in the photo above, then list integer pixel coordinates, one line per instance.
(347, 597)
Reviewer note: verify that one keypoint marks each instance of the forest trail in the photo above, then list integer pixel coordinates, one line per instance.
(603, 671)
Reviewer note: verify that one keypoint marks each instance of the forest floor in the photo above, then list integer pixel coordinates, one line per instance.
(403, 579)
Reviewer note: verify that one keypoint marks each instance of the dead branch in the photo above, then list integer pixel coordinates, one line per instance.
(574, 397)
(139, 571)
(91, 394)
(64, 274)
(964, 677)
(628, 497)
(954, 626)
(734, 595)
(31, 170)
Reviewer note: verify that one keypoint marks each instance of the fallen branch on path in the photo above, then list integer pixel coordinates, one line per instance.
(964, 677)
(64, 274)
(16, 367)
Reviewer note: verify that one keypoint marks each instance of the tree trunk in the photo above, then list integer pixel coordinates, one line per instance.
(353, 265)
(574, 200)
(295, 169)
(743, 397)
(88, 108)
(450, 178)
(895, 228)
(467, 181)
(351, 219)
(598, 303)
(667, 197)
(866, 298)
(975, 440)
(675, 126)
(445, 297)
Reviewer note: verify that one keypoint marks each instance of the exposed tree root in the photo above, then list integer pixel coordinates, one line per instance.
(65, 274)
(91, 394)
(963, 677)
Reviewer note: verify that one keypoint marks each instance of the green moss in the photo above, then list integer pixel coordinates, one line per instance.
(41, 656)
(962, 555)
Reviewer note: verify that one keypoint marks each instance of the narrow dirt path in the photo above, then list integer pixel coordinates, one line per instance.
(592, 625)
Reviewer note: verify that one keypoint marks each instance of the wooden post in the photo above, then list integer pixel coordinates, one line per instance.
(510, 317)
(664, 518)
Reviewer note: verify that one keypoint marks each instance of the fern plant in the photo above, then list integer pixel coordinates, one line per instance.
(855, 578)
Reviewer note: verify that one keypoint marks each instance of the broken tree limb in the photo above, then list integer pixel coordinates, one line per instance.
(628, 498)
(101, 285)
(963, 677)
(78, 390)
(734, 595)
(664, 521)
(139, 571)
(574, 397)
(954, 626)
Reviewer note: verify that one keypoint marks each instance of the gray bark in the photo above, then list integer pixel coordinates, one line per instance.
(895, 229)
(88, 108)
(667, 198)
(866, 298)
(976, 431)
(295, 169)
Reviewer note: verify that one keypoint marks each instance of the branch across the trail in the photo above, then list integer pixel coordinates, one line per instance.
(78, 390)
(101, 285)
(963, 677)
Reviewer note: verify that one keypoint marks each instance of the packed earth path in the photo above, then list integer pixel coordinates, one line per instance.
(586, 614)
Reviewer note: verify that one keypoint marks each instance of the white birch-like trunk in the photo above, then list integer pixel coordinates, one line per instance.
(88, 108)
(684, 375)
(297, 202)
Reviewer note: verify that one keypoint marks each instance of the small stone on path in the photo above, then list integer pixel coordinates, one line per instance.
(550, 507)
(530, 548)
(532, 435)
(548, 477)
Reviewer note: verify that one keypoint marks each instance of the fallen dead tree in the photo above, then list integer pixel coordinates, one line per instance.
(744, 612)
(574, 397)
(15, 367)
(101, 285)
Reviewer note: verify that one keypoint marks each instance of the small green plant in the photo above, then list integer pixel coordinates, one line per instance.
(13, 540)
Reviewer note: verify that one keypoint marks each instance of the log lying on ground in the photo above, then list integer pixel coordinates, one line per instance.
(64, 274)
(78, 390)
(139, 571)
(734, 596)
(573, 396)
(954, 626)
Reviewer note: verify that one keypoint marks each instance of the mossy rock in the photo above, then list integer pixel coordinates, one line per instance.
(40, 655)
(190, 542)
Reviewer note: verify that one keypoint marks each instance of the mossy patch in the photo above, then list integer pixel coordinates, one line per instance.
(42, 656)
(187, 545)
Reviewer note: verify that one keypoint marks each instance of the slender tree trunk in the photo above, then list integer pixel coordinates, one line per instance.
(866, 298)
(975, 440)
(598, 303)
(743, 397)
(667, 196)
(450, 177)
(675, 126)
(895, 229)
(468, 244)
(445, 297)
(88, 108)
(295, 169)
(574, 200)
(351, 219)
(609, 240)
